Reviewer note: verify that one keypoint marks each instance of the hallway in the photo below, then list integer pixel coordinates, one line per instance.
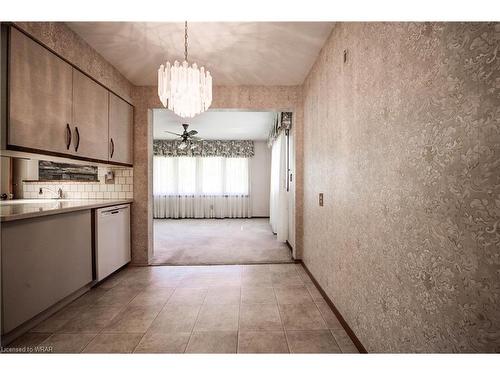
(205, 309)
(264, 183)
(217, 241)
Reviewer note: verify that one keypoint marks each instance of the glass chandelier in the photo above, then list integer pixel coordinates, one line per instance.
(184, 89)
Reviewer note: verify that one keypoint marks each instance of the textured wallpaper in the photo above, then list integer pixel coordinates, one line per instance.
(404, 141)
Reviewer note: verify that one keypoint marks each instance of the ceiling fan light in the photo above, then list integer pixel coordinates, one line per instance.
(182, 146)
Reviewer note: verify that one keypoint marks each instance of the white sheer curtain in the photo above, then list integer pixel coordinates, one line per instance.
(201, 187)
(278, 196)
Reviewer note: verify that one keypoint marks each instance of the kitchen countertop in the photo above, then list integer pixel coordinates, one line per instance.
(27, 208)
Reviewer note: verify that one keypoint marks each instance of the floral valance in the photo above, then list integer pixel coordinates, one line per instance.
(283, 121)
(227, 149)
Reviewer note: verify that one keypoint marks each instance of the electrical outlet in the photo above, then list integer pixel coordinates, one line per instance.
(321, 199)
(109, 177)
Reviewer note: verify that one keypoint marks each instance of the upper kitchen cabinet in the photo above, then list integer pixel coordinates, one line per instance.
(121, 119)
(56, 109)
(40, 92)
(90, 118)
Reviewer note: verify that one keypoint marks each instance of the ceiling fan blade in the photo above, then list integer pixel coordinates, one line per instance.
(192, 132)
(177, 134)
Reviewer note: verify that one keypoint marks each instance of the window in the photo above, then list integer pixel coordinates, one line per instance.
(236, 176)
(186, 171)
(211, 180)
(200, 176)
(163, 183)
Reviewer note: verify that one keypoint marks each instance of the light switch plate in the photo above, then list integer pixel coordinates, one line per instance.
(321, 199)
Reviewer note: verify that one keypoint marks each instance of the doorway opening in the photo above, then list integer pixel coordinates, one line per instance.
(221, 188)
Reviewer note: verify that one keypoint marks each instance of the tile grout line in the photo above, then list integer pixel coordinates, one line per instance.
(114, 316)
(281, 321)
(196, 320)
(239, 319)
(93, 304)
(323, 317)
(314, 303)
(329, 329)
(87, 306)
(150, 324)
(144, 286)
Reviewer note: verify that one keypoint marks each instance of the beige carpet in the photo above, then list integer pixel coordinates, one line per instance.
(217, 241)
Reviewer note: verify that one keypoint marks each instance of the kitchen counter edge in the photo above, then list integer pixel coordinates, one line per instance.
(55, 211)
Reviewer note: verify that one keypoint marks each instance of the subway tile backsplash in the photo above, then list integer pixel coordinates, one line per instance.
(122, 188)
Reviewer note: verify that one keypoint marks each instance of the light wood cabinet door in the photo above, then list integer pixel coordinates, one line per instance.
(40, 87)
(90, 118)
(44, 260)
(121, 120)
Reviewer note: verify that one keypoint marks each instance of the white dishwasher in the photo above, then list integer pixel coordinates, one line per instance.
(112, 240)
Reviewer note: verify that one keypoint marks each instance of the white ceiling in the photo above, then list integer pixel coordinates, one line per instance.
(236, 53)
(215, 124)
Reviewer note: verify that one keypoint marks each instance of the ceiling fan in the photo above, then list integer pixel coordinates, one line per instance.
(187, 138)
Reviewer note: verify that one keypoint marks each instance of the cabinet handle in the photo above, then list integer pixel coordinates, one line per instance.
(68, 136)
(77, 139)
(112, 147)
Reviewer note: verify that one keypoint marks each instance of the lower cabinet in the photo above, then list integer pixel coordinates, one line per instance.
(44, 260)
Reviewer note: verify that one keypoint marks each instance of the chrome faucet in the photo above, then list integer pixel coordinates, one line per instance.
(59, 192)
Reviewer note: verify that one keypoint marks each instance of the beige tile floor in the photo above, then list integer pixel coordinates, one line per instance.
(268, 308)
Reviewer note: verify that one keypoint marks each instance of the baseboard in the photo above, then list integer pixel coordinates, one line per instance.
(219, 264)
(337, 313)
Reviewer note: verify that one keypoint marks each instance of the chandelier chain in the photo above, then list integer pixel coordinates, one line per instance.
(185, 40)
